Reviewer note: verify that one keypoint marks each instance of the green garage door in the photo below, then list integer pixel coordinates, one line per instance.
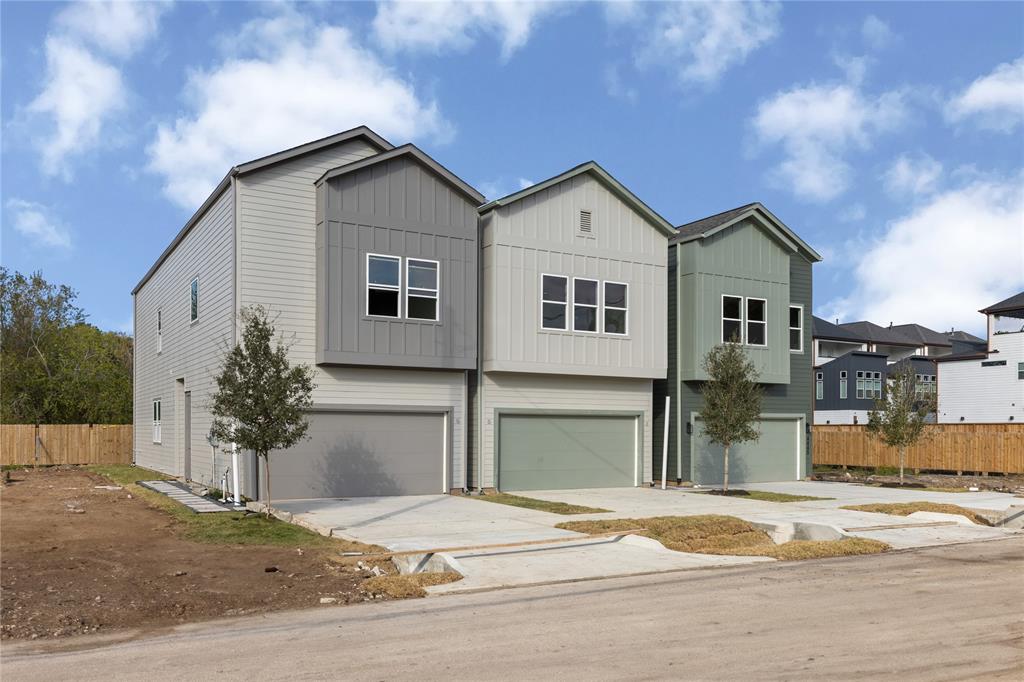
(773, 457)
(549, 452)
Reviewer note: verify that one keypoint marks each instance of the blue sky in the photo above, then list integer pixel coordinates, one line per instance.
(889, 136)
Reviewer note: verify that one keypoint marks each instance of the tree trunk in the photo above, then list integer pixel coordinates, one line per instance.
(725, 469)
(266, 469)
(903, 457)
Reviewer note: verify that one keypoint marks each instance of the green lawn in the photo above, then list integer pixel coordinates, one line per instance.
(539, 505)
(908, 508)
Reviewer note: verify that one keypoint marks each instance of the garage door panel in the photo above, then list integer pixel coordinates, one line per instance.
(357, 454)
(538, 452)
(773, 457)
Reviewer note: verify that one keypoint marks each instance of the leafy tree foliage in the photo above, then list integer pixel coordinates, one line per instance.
(261, 400)
(55, 367)
(732, 400)
(900, 418)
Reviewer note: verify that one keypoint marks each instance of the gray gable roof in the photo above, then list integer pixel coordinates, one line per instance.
(922, 334)
(869, 331)
(966, 337)
(705, 227)
(1015, 302)
(823, 329)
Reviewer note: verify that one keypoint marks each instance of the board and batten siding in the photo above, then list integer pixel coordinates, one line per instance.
(395, 208)
(538, 235)
(190, 350)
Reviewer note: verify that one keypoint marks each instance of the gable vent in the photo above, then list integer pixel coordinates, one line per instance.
(586, 222)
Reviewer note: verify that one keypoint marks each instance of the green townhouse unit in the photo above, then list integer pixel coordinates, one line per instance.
(523, 343)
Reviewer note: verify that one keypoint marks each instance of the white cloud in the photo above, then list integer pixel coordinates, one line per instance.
(853, 213)
(449, 24)
(959, 251)
(293, 81)
(912, 175)
(876, 33)
(83, 89)
(37, 224)
(617, 86)
(699, 41)
(815, 125)
(502, 187)
(994, 101)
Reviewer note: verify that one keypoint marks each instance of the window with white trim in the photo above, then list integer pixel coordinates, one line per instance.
(876, 385)
(383, 285)
(869, 385)
(422, 289)
(732, 319)
(616, 304)
(159, 331)
(796, 328)
(554, 301)
(193, 300)
(584, 305)
(757, 322)
(842, 385)
(819, 386)
(924, 386)
(156, 421)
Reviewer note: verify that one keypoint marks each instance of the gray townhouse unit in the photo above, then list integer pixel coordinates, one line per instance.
(573, 335)
(846, 388)
(740, 276)
(366, 256)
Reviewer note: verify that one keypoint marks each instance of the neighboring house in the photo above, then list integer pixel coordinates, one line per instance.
(366, 257)
(886, 340)
(846, 388)
(965, 342)
(832, 341)
(932, 342)
(741, 276)
(573, 335)
(987, 385)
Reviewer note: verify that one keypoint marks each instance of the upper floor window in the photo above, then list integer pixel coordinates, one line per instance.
(159, 331)
(156, 421)
(819, 386)
(842, 385)
(383, 285)
(1020, 371)
(193, 314)
(924, 386)
(584, 305)
(732, 319)
(869, 385)
(757, 322)
(616, 302)
(554, 301)
(796, 328)
(1009, 322)
(422, 289)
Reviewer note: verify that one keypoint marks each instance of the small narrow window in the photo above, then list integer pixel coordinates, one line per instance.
(383, 285)
(796, 328)
(194, 300)
(876, 385)
(819, 386)
(584, 305)
(554, 299)
(159, 331)
(842, 385)
(757, 322)
(732, 319)
(1020, 371)
(421, 296)
(616, 302)
(586, 225)
(861, 387)
(156, 421)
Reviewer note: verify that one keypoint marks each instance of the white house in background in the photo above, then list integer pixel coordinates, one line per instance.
(832, 341)
(987, 386)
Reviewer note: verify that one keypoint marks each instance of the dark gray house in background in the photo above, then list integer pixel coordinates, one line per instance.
(846, 388)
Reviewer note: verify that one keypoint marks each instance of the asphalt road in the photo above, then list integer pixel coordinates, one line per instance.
(946, 613)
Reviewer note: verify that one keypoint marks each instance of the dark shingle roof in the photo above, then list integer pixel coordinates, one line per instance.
(711, 222)
(823, 329)
(1015, 302)
(922, 334)
(872, 332)
(966, 337)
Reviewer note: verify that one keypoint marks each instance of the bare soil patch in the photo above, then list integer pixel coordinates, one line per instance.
(80, 559)
(937, 482)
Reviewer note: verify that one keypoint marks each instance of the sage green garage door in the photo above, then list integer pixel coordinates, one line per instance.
(773, 457)
(549, 452)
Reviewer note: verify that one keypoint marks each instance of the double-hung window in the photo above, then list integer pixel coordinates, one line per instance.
(156, 420)
(757, 322)
(384, 286)
(732, 319)
(874, 385)
(842, 385)
(796, 328)
(819, 386)
(193, 300)
(554, 301)
(616, 303)
(422, 289)
(584, 305)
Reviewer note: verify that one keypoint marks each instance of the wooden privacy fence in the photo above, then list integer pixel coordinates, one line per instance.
(946, 447)
(65, 444)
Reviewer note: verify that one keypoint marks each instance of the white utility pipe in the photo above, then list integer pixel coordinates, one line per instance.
(664, 445)
(234, 475)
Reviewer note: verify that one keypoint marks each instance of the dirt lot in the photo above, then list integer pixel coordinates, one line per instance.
(1010, 483)
(122, 563)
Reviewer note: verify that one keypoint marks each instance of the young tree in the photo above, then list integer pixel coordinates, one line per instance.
(732, 400)
(261, 399)
(900, 417)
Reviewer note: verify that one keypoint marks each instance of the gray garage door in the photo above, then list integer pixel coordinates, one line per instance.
(548, 452)
(773, 457)
(362, 454)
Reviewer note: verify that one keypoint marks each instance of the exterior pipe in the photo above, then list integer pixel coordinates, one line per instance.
(234, 475)
(664, 445)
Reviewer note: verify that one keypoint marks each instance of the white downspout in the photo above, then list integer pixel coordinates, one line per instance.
(664, 445)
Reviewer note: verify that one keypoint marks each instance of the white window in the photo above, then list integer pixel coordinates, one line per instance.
(869, 385)
(159, 331)
(422, 289)
(757, 322)
(732, 319)
(842, 385)
(584, 305)
(616, 304)
(383, 285)
(156, 420)
(924, 386)
(819, 386)
(796, 328)
(554, 299)
(193, 301)
(876, 385)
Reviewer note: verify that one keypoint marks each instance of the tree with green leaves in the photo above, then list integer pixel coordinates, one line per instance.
(900, 417)
(732, 400)
(261, 399)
